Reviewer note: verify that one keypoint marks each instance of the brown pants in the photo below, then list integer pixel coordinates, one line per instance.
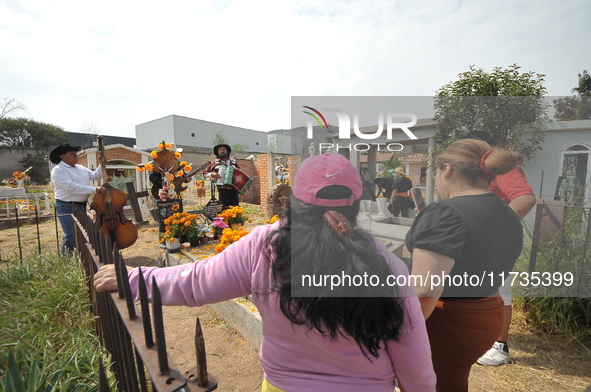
(460, 332)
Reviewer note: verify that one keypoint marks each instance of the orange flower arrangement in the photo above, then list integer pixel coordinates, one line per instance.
(178, 224)
(234, 215)
(19, 175)
(166, 160)
(229, 236)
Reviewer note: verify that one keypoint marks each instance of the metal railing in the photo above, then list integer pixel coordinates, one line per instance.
(127, 332)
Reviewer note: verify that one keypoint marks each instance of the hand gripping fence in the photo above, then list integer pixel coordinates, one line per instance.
(126, 333)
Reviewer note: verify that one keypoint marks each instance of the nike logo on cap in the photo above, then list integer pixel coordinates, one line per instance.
(330, 175)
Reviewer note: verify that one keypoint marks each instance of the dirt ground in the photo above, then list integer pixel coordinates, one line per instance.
(541, 362)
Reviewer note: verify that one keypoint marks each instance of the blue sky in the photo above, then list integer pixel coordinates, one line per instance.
(107, 66)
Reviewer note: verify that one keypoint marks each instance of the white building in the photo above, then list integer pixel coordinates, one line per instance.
(184, 131)
(565, 153)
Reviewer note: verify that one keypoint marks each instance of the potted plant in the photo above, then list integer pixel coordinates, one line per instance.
(177, 225)
(234, 217)
(202, 231)
(219, 224)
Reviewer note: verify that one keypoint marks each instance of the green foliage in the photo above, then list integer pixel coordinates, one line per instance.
(570, 317)
(46, 327)
(391, 164)
(38, 165)
(38, 380)
(502, 102)
(240, 147)
(28, 133)
(561, 309)
(575, 107)
(219, 138)
(419, 149)
(584, 87)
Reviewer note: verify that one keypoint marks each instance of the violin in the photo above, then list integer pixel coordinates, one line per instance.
(109, 209)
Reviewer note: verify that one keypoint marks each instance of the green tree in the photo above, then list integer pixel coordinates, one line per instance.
(29, 133)
(584, 87)
(575, 107)
(219, 138)
(502, 102)
(240, 147)
(391, 164)
(38, 165)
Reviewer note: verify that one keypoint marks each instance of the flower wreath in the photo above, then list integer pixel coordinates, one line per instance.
(168, 163)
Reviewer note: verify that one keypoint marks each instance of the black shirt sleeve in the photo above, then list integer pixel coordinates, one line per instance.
(440, 229)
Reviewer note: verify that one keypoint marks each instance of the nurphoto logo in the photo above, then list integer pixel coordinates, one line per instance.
(345, 129)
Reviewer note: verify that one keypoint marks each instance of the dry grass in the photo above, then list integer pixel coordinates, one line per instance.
(540, 363)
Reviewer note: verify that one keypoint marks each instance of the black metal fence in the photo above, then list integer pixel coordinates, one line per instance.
(138, 350)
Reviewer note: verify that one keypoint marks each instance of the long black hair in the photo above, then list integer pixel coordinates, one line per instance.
(307, 243)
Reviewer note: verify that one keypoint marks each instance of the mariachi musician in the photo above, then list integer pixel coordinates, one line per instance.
(228, 194)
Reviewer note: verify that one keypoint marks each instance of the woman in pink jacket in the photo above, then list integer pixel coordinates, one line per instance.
(337, 311)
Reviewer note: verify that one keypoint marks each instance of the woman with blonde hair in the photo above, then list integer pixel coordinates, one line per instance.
(462, 247)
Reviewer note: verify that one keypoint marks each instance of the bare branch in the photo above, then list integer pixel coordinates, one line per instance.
(10, 105)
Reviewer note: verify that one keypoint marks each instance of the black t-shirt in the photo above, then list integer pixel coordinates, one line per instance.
(480, 232)
(402, 184)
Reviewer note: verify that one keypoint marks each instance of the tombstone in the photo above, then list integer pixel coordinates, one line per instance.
(8, 191)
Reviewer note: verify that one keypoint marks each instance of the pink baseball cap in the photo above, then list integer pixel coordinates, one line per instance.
(320, 171)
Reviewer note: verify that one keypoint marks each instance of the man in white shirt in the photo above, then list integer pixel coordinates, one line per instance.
(71, 183)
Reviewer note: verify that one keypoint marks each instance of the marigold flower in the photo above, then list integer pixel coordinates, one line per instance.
(140, 169)
(170, 177)
(175, 207)
(154, 154)
(178, 155)
(179, 173)
(188, 168)
(149, 167)
(160, 146)
(168, 145)
(183, 163)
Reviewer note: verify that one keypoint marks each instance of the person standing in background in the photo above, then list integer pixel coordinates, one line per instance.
(229, 196)
(400, 198)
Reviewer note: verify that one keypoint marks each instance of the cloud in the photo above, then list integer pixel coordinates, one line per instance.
(119, 64)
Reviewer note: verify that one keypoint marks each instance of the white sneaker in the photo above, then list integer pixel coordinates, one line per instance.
(496, 356)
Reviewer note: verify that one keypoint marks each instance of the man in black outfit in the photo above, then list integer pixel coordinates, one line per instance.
(400, 198)
(229, 196)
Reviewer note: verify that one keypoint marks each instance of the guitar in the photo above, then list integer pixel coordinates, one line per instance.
(179, 182)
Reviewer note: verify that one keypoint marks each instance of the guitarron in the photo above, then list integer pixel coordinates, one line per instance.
(109, 209)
